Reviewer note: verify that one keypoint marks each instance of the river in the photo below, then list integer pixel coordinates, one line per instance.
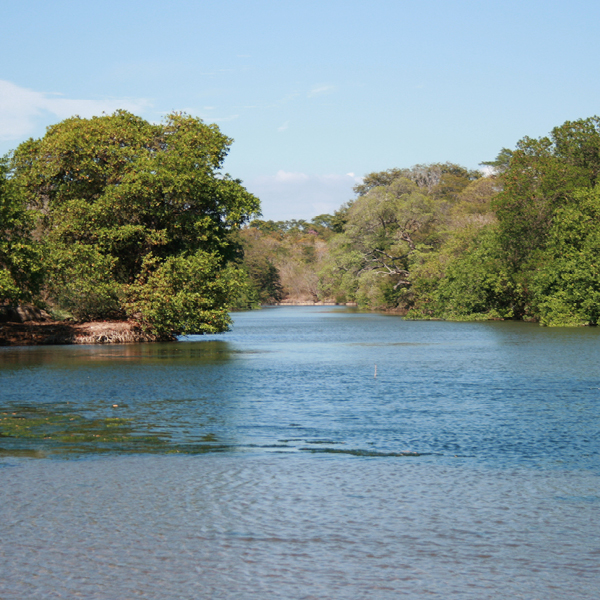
(310, 453)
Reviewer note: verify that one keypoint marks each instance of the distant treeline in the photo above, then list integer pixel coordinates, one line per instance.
(442, 241)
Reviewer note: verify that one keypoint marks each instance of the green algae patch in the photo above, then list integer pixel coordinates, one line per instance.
(40, 432)
(43, 425)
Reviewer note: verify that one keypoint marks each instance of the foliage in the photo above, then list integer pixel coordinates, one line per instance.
(320, 225)
(501, 163)
(539, 261)
(474, 284)
(265, 280)
(441, 180)
(444, 242)
(541, 177)
(136, 220)
(282, 258)
(79, 280)
(566, 287)
(191, 291)
(21, 269)
(126, 204)
(387, 231)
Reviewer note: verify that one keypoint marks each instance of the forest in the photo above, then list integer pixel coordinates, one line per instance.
(116, 218)
(440, 241)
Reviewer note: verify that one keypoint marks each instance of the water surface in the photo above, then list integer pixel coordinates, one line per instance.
(270, 462)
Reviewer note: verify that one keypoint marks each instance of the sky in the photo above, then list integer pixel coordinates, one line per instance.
(315, 94)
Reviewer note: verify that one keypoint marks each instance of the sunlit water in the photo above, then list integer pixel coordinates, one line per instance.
(271, 463)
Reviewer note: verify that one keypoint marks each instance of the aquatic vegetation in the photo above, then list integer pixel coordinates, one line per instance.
(37, 431)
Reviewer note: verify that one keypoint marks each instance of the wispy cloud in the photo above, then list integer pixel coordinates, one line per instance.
(283, 127)
(297, 195)
(21, 109)
(321, 90)
(286, 177)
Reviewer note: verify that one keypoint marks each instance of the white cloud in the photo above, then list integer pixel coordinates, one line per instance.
(22, 109)
(283, 176)
(320, 90)
(283, 127)
(295, 195)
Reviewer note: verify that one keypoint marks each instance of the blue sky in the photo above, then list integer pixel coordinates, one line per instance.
(315, 94)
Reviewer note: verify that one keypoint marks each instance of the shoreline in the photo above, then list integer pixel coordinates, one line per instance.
(55, 333)
(311, 303)
(48, 333)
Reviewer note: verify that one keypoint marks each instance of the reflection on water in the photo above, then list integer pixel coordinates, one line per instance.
(71, 401)
(76, 356)
(467, 467)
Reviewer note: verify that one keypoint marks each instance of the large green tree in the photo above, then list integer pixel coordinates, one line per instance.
(134, 214)
(385, 231)
(566, 284)
(540, 178)
(440, 180)
(20, 256)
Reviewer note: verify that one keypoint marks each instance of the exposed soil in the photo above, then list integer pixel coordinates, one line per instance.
(33, 333)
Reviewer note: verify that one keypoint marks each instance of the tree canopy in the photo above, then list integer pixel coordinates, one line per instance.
(20, 256)
(134, 215)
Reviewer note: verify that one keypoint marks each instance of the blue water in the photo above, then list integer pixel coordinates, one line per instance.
(311, 452)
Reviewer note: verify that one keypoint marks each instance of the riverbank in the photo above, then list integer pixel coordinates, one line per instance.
(35, 333)
(295, 302)
(41, 331)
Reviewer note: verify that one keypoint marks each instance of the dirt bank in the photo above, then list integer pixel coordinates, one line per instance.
(33, 333)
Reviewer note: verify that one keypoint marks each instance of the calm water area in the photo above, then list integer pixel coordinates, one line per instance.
(271, 463)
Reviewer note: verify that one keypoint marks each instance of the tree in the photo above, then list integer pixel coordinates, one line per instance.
(440, 180)
(475, 282)
(501, 163)
(20, 257)
(259, 253)
(578, 143)
(386, 225)
(542, 176)
(566, 284)
(385, 230)
(282, 258)
(125, 205)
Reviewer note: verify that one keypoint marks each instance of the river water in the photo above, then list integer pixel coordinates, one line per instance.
(310, 453)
